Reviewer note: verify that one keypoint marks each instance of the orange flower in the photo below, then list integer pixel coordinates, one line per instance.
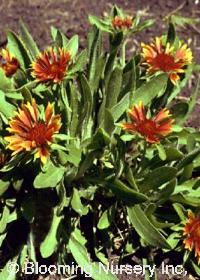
(29, 132)
(192, 231)
(120, 23)
(152, 129)
(51, 66)
(164, 58)
(8, 63)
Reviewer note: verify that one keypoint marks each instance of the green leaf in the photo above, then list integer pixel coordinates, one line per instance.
(4, 219)
(149, 90)
(5, 83)
(188, 159)
(4, 184)
(145, 229)
(79, 64)
(5, 274)
(118, 110)
(108, 122)
(49, 244)
(6, 108)
(87, 101)
(186, 199)
(171, 35)
(74, 154)
(77, 204)
(161, 152)
(99, 23)
(72, 46)
(106, 218)
(157, 178)
(57, 37)
(179, 112)
(87, 162)
(96, 60)
(145, 24)
(195, 267)
(80, 255)
(193, 98)
(99, 140)
(16, 47)
(50, 178)
(183, 21)
(128, 195)
(114, 87)
(28, 40)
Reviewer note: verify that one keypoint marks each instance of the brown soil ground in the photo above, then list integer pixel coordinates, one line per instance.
(70, 16)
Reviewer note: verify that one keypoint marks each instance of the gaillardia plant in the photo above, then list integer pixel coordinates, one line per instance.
(96, 158)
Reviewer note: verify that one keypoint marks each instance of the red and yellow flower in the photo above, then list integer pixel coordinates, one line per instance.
(51, 65)
(122, 23)
(30, 132)
(158, 57)
(151, 129)
(8, 63)
(192, 232)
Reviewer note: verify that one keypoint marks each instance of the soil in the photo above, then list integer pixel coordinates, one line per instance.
(70, 16)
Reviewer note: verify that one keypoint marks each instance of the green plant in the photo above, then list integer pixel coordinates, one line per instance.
(88, 188)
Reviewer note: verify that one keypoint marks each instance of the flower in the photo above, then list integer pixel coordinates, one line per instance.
(122, 23)
(51, 66)
(192, 231)
(151, 129)
(8, 63)
(165, 58)
(30, 132)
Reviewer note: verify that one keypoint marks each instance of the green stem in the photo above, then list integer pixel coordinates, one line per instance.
(123, 61)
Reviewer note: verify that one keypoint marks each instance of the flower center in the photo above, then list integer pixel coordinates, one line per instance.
(165, 62)
(147, 127)
(54, 68)
(38, 134)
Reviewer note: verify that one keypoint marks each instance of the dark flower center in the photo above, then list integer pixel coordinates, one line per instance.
(165, 62)
(147, 127)
(38, 134)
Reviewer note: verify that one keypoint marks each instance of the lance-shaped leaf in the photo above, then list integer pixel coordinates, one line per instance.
(72, 45)
(188, 158)
(80, 254)
(145, 228)
(28, 40)
(151, 89)
(5, 83)
(99, 23)
(113, 88)
(106, 218)
(4, 219)
(126, 194)
(77, 204)
(118, 110)
(6, 109)
(50, 178)
(17, 48)
(157, 178)
(49, 244)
